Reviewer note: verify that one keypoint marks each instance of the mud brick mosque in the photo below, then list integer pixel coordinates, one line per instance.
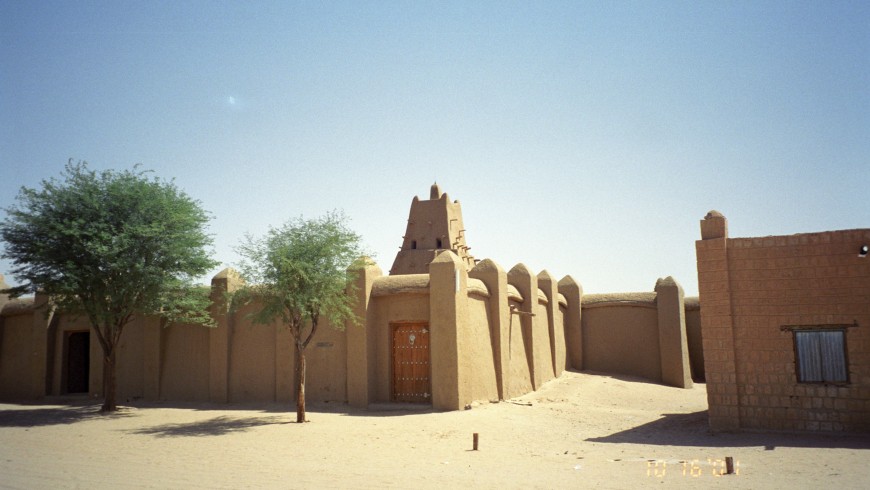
(780, 334)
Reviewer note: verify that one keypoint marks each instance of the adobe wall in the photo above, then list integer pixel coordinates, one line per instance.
(4, 298)
(756, 292)
(24, 344)
(478, 350)
(179, 362)
(131, 360)
(261, 361)
(182, 364)
(550, 341)
(643, 334)
(66, 324)
(488, 340)
(326, 358)
(494, 335)
(252, 368)
(389, 309)
(407, 299)
(15, 347)
(620, 334)
(518, 368)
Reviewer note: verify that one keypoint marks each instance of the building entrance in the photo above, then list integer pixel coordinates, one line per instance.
(411, 379)
(78, 362)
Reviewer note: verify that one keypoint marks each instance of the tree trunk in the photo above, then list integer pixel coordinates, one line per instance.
(300, 384)
(109, 385)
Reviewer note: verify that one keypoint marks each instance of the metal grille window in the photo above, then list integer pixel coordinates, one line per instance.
(821, 356)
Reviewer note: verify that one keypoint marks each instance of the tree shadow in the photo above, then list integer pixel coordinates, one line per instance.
(272, 407)
(692, 430)
(57, 415)
(217, 426)
(205, 406)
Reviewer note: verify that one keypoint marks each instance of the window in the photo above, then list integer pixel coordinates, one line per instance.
(820, 356)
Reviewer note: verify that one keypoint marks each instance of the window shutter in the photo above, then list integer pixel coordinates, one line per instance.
(821, 356)
(833, 356)
(809, 356)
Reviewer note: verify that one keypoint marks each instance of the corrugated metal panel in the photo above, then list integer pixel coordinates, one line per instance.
(833, 356)
(821, 356)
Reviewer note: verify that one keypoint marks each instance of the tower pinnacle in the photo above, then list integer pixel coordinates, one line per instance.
(433, 225)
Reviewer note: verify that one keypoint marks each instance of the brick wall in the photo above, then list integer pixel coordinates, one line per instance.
(754, 292)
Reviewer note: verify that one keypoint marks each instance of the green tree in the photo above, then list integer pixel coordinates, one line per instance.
(298, 274)
(110, 246)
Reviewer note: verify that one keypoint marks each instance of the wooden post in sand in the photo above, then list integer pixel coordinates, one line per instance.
(475, 441)
(729, 465)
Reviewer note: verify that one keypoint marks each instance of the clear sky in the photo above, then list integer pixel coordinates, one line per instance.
(585, 138)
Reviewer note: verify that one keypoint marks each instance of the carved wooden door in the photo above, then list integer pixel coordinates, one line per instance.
(411, 381)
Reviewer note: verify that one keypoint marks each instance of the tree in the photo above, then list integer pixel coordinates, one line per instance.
(298, 274)
(110, 245)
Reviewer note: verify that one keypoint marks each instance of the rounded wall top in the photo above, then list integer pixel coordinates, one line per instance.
(403, 284)
(544, 276)
(520, 269)
(666, 281)
(487, 265)
(569, 281)
(618, 299)
(18, 306)
(363, 262)
(435, 191)
(714, 225)
(446, 255)
(228, 273)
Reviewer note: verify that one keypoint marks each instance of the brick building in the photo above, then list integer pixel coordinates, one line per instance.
(785, 323)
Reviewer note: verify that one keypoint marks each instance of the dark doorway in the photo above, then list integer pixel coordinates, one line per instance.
(78, 362)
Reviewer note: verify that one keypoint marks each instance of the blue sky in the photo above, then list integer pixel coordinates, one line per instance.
(585, 138)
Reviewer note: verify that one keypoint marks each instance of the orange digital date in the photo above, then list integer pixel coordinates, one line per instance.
(717, 467)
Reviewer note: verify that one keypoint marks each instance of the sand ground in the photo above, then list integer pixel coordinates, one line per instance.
(579, 431)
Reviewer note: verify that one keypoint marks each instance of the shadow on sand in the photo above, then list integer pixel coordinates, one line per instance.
(225, 424)
(37, 416)
(217, 426)
(691, 429)
(67, 410)
(70, 412)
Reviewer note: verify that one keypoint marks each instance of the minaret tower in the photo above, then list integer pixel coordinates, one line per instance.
(433, 225)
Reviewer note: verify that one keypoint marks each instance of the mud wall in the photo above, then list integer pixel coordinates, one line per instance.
(644, 334)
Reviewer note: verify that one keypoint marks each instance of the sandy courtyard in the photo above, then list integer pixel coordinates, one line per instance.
(578, 431)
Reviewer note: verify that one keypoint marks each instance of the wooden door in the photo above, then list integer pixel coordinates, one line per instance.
(411, 381)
